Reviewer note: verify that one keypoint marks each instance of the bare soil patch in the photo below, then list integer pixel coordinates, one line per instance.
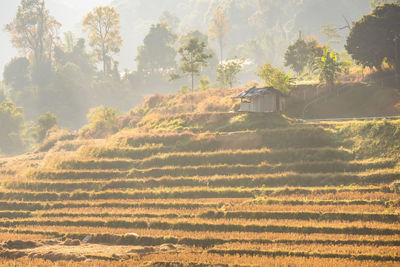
(75, 250)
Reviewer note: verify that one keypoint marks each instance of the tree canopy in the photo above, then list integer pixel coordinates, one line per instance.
(45, 123)
(227, 72)
(275, 77)
(302, 54)
(12, 122)
(103, 27)
(74, 51)
(375, 3)
(331, 33)
(170, 20)
(298, 55)
(16, 73)
(193, 57)
(2, 93)
(329, 68)
(157, 52)
(219, 29)
(33, 31)
(376, 37)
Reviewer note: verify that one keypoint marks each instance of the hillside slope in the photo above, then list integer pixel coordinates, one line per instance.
(200, 189)
(347, 101)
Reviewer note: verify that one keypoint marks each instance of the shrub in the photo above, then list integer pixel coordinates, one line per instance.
(103, 122)
(12, 124)
(45, 123)
(275, 77)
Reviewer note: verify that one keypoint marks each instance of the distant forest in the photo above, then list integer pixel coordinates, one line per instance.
(145, 47)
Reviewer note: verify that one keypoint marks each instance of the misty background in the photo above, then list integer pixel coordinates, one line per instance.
(261, 29)
(70, 85)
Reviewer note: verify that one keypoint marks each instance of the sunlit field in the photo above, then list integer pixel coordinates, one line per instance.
(199, 133)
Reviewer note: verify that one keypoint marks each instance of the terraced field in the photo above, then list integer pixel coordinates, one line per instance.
(297, 195)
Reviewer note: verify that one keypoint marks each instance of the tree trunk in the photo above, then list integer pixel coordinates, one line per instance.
(192, 104)
(39, 51)
(329, 84)
(221, 49)
(103, 51)
(192, 81)
(192, 70)
(104, 63)
(397, 60)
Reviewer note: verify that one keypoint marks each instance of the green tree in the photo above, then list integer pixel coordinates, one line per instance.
(42, 75)
(16, 73)
(193, 58)
(213, 62)
(170, 20)
(74, 51)
(275, 77)
(103, 27)
(375, 3)
(316, 48)
(299, 55)
(2, 93)
(227, 72)
(317, 51)
(17, 78)
(331, 33)
(303, 54)
(219, 29)
(33, 31)
(377, 37)
(204, 83)
(68, 42)
(203, 38)
(329, 68)
(157, 53)
(69, 96)
(12, 124)
(45, 123)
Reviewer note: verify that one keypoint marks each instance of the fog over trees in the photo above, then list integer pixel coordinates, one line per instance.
(254, 24)
(69, 57)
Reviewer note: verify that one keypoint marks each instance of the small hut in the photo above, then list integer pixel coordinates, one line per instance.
(266, 99)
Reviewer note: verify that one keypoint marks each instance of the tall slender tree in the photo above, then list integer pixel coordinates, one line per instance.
(228, 71)
(331, 33)
(103, 27)
(219, 29)
(33, 31)
(193, 57)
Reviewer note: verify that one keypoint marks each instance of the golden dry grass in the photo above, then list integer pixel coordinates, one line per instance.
(237, 210)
